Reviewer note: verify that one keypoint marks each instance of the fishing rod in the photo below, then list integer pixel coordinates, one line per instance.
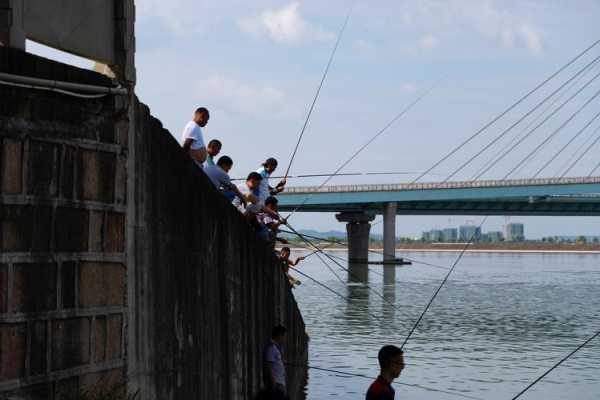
(506, 111)
(413, 385)
(344, 174)
(416, 261)
(364, 146)
(312, 106)
(581, 346)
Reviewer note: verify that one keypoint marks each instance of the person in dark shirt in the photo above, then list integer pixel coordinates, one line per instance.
(391, 361)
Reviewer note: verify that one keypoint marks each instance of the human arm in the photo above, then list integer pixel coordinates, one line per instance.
(294, 263)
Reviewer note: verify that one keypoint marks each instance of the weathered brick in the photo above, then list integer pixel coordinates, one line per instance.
(12, 351)
(121, 181)
(12, 157)
(34, 288)
(70, 343)
(42, 169)
(71, 229)
(67, 173)
(122, 132)
(115, 329)
(101, 284)
(68, 285)
(100, 333)
(3, 288)
(110, 381)
(96, 231)
(114, 238)
(37, 355)
(25, 228)
(96, 176)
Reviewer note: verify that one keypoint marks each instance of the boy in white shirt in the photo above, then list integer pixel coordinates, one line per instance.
(192, 139)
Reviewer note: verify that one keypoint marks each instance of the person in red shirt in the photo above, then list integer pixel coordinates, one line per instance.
(391, 361)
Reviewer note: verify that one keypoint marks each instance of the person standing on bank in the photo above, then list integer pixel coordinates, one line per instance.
(267, 169)
(391, 362)
(192, 139)
(274, 370)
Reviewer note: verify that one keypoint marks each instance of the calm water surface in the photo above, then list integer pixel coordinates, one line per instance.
(499, 322)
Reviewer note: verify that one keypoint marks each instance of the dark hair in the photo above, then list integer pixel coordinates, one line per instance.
(202, 110)
(278, 331)
(286, 249)
(225, 160)
(271, 200)
(386, 354)
(215, 142)
(254, 175)
(270, 161)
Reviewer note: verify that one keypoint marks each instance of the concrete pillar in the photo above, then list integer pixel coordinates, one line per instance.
(358, 228)
(389, 232)
(12, 33)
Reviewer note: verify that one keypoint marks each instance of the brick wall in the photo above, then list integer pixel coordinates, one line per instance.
(62, 233)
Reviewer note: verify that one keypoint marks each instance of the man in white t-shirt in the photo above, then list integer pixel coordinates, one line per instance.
(267, 168)
(274, 370)
(192, 139)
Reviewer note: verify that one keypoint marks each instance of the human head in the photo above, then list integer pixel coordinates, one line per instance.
(285, 252)
(225, 162)
(271, 203)
(391, 360)
(253, 180)
(278, 334)
(214, 147)
(270, 165)
(201, 116)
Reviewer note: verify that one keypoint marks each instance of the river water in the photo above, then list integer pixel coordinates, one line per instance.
(501, 320)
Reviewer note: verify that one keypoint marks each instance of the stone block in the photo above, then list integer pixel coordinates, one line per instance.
(12, 158)
(71, 229)
(115, 330)
(25, 228)
(96, 231)
(34, 288)
(114, 238)
(110, 381)
(100, 334)
(38, 346)
(68, 284)
(12, 351)
(101, 284)
(122, 132)
(121, 180)
(3, 288)
(67, 172)
(42, 169)
(70, 343)
(96, 176)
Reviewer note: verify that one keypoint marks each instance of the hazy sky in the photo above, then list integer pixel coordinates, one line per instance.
(256, 66)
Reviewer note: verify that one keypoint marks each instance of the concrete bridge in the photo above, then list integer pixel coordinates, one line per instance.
(357, 205)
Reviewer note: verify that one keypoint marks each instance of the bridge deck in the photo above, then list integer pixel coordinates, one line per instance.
(547, 196)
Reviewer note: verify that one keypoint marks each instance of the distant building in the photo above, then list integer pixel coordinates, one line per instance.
(494, 236)
(435, 235)
(449, 235)
(468, 233)
(514, 232)
(426, 237)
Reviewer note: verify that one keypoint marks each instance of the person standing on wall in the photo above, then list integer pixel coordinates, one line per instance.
(267, 169)
(274, 369)
(192, 139)
(391, 362)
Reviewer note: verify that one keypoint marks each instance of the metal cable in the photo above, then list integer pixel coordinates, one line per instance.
(570, 161)
(506, 111)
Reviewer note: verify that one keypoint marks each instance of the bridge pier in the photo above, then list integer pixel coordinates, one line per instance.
(358, 228)
(389, 232)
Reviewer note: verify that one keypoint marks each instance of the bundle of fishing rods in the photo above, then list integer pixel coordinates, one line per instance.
(562, 98)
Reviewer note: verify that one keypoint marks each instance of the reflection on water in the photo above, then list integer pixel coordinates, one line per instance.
(499, 322)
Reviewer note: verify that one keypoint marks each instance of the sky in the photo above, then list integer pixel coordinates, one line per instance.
(256, 66)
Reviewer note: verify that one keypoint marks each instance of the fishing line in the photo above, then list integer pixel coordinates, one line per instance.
(556, 365)
(345, 174)
(371, 140)
(506, 111)
(312, 106)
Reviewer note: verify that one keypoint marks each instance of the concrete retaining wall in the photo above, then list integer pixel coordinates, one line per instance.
(119, 261)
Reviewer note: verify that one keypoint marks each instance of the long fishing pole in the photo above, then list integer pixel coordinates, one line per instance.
(364, 146)
(312, 106)
(344, 174)
(506, 111)
(413, 385)
(581, 346)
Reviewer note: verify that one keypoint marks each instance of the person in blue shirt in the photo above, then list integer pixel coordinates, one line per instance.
(391, 362)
